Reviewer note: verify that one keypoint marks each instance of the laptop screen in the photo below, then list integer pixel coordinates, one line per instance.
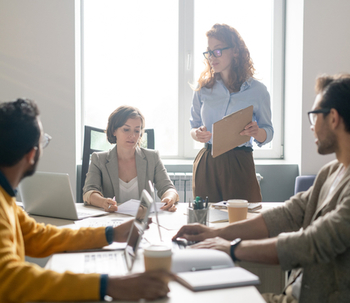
(138, 228)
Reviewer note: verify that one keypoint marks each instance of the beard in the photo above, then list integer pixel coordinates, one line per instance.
(328, 145)
(31, 170)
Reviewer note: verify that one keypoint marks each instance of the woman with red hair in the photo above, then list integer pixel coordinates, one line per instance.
(225, 86)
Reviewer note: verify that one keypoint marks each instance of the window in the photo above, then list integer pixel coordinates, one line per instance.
(146, 53)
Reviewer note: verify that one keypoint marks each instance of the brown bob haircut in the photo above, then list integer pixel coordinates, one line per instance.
(119, 117)
(242, 67)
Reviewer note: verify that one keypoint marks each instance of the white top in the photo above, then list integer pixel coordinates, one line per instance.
(128, 190)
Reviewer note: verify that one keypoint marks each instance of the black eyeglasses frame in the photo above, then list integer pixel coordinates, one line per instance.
(211, 53)
(325, 111)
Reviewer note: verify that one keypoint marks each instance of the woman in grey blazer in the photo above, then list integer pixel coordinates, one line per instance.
(123, 172)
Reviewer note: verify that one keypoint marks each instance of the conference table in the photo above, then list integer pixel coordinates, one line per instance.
(272, 278)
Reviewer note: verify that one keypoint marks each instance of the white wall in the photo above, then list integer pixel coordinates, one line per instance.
(37, 61)
(325, 49)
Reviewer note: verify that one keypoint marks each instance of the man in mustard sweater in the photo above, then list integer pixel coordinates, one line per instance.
(21, 143)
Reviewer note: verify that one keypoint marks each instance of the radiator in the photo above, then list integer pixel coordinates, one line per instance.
(183, 185)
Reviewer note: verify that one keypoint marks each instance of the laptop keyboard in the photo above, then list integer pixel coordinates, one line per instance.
(181, 243)
(111, 263)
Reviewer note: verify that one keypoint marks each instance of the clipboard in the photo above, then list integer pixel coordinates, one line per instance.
(226, 131)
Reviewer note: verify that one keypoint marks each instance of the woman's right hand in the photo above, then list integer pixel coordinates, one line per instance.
(109, 205)
(202, 135)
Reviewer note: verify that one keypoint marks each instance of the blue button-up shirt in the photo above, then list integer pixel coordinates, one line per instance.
(210, 105)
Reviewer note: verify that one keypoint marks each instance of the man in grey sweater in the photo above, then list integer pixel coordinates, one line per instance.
(310, 233)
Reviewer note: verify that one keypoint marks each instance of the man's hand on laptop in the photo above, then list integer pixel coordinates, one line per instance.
(196, 232)
(121, 232)
(214, 243)
(149, 285)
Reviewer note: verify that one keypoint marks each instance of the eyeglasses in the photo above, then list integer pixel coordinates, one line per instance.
(216, 53)
(45, 140)
(313, 114)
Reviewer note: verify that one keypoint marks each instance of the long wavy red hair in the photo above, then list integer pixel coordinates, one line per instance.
(242, 67)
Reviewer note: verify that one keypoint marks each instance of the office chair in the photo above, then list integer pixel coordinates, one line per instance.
(95, 141)
(303, 183)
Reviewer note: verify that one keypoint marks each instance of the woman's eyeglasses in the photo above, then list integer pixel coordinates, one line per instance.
(216, 53)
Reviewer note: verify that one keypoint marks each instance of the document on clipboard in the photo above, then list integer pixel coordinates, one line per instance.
(226, 132)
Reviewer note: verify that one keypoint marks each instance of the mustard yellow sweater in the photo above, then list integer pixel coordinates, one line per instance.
(21, 281)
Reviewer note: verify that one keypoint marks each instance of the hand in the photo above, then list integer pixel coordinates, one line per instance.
(169, 204)
(214, 243)
(109, 205)
(196, 232)
(202, 134)
(121, 232)
(250, 130)
(149, 285)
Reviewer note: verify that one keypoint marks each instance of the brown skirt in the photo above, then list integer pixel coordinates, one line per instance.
(228, 176)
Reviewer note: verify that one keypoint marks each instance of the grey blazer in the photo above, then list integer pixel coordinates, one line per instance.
(103, 173)
(317, 236)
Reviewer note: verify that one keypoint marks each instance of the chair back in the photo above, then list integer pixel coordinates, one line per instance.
(303, 183)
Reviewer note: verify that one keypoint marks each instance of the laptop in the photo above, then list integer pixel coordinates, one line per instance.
(50, 195)
(152, 193)
(118, 262)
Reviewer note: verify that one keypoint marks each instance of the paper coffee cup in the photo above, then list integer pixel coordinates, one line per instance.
(157, 257)
(237, 210)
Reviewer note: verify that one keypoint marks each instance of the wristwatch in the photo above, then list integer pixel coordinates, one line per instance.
(234, 244)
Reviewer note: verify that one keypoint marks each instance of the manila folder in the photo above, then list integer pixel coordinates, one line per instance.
(226, 132)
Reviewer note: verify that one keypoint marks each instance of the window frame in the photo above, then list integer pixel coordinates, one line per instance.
(186, 76)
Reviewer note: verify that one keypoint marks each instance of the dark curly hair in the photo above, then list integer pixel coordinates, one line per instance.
(19, 130)
(242, 67)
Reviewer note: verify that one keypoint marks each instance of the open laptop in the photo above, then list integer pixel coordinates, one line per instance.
(152, 193)
(108, 262)
(50, 195)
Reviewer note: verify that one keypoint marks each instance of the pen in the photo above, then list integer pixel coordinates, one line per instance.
(209, 268)
(206, 201)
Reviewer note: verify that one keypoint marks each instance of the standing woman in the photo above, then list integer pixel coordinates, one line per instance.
(123, 172)
(225, 86)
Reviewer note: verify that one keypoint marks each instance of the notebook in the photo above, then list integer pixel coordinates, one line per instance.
(217, 278)
(50, 195)
(108, 262)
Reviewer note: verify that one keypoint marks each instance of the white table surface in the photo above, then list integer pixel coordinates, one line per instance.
(179, 293)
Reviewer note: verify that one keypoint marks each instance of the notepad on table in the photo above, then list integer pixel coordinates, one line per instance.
(218, 278)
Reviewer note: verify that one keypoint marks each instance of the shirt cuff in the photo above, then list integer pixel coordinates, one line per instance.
(109, 234)
(103, 287)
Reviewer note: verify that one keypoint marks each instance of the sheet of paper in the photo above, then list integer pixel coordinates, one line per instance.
(172, 221)
(130, 207)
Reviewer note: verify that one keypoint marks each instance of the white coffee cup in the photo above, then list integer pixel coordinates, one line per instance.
(237, 210)
(157, 257)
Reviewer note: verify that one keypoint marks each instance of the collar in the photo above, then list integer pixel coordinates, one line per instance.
(244, 86)
(6, 185)
(113, 153)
